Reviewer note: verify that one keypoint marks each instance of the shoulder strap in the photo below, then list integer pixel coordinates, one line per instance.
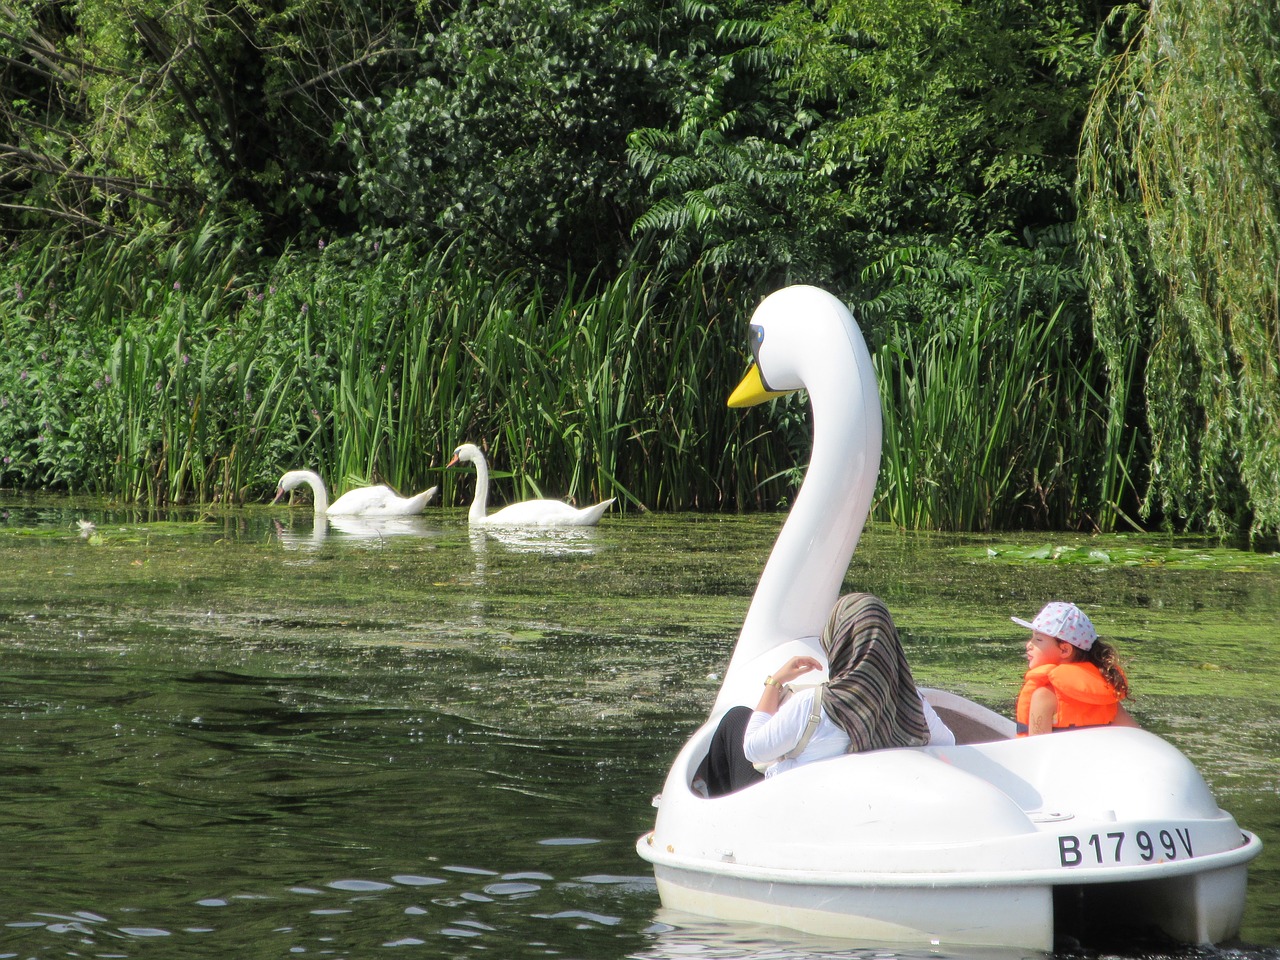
(810, 725)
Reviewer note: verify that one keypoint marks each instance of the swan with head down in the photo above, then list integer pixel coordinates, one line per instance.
(374, 501)
(526, 513)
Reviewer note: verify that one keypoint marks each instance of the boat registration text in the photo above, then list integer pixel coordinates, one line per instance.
(1123, 846)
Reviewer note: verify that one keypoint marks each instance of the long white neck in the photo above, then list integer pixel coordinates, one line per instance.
(805, 572)
(318, 493)
(480, 503)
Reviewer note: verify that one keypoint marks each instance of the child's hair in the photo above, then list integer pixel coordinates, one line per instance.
(1104, 656)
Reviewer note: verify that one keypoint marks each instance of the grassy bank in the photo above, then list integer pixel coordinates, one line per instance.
(189, 371)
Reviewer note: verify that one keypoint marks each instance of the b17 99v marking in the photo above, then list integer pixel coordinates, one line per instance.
(1098, 849)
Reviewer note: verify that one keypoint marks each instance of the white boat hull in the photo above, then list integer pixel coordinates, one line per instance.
(974, 916)
(983, 844)
(1204, 907)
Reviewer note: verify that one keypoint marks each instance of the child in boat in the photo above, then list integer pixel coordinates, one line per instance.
(869, 702)
(1073, 679)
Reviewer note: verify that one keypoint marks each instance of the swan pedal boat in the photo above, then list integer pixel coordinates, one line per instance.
(999, 841)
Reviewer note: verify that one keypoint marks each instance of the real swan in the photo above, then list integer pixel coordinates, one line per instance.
(375, 501)
(526, 513)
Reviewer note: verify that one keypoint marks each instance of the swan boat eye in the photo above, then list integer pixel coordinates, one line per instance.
(756, 339)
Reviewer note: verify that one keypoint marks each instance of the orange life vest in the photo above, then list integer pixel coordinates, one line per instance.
(1085, 698)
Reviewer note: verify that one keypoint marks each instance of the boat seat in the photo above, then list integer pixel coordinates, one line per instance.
(969, 721)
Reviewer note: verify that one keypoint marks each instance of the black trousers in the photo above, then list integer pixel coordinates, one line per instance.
(726, 767)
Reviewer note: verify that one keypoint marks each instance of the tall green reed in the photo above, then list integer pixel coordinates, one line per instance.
(970, 448)
(104, 333)
(550, 386)
(993, 418)
(181, 370)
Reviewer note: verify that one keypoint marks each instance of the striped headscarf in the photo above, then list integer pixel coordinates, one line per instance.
(871, 694)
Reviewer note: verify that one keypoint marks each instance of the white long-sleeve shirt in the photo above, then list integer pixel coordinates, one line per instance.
(769, 736)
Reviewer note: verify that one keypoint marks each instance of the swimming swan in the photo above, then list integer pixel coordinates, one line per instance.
(376, 501)
(527, 513)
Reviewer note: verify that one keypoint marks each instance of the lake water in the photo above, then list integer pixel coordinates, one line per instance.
(232, 735)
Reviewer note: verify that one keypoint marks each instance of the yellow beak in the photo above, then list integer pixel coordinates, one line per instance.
(752, 390)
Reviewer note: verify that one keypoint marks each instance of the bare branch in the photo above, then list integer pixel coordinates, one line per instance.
(58, 213)
(342, 68)
(114, 185)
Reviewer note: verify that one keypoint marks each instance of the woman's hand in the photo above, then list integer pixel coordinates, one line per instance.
(796, 667)
(773, 684)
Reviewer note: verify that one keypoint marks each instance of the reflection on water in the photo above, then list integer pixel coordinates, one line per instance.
(308, 535)
(680, 936)
(547, 541)
(447, 745)
(353, 916)
(379, 528)
(155, 810)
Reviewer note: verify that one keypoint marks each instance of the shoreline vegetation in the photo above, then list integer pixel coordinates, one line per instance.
(240, 240)
(172, 371)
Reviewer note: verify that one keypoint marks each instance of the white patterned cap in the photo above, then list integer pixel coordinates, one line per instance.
(1065, 621)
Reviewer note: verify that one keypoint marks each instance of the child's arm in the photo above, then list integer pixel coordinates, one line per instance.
(1123, 718)
(1044, 704)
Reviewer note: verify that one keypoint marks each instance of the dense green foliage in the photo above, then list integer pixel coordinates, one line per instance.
(120, 116)
(512, 136)
(820, 138)
(191, 381)
(541, 225)
(1005, 376)
(164, 373)
(552, 138)
(1181, 177)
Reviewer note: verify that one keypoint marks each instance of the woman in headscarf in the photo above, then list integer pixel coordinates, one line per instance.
(869, 702)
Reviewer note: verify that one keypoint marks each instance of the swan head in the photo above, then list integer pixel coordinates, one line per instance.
(466, 453)
(789, 335)
(289, 481)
